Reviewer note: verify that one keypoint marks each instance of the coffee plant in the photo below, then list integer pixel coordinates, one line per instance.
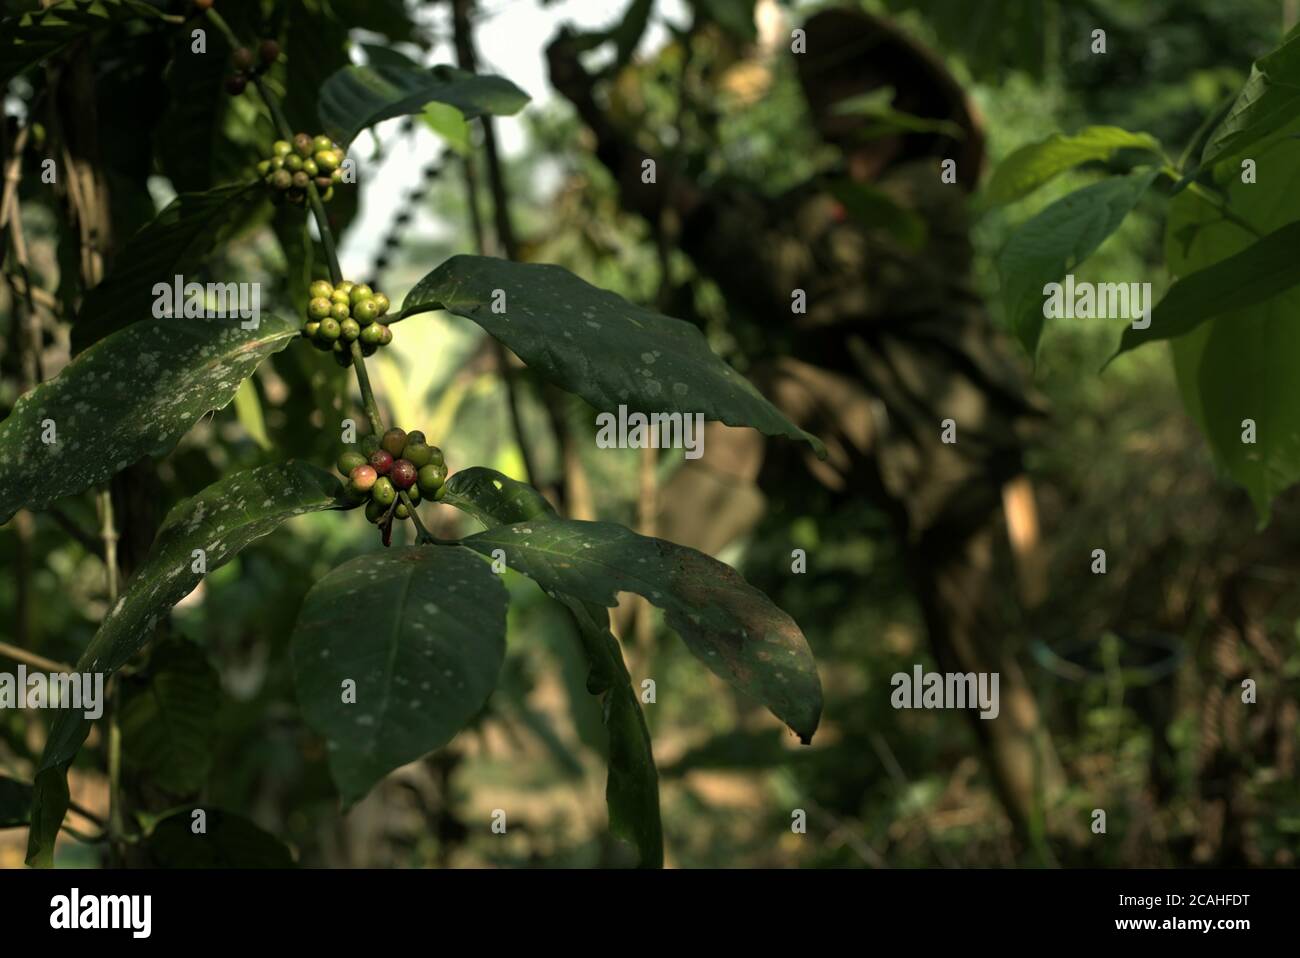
(395, 651)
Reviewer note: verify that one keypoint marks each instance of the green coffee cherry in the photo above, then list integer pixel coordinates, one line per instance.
(393, 441)
(321, 142)
(343, 358)
(369, 445)
(431, 478)
(264, 169)
(328, 160)
(417, 454)
(382, 302)
(388, 336)
(345, 286)
(310, 168)
(339, 311)
(281, 179)
(416, 437)
(348, 460)
(365, 312)
(320, 289)
(401, 511)
(282, 148)
(339, 296)
(437, 459)
(349, 329)
(414, 494)
(368, 349)
(361, 293)
(372, 335)
(309, 328)
(329, 330)
(383, 491)
(293, 163)
(319, 308)
(374, 511)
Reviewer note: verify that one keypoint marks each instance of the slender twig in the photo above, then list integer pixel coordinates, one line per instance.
(424, 534)
(1215, 199)
(31, 658)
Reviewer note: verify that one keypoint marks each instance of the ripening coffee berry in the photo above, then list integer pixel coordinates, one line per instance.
(320, 289)
(282, 179)
(393, 441)
(203, 4)
(242, 58)
(281, 148)
(348, 460)
(319, 308)
(277, 163)
(388, 335)
(293, 163)
(339, 311)
(362, 479)
(300, 180)
(431, 478)
(369, 445)
(361, 293)
(403, 474)
(417, 454)
(309, 328)
(269, 51)
(374, 511)
(382, 302)
(365, 312)
(329, 330)
(416, 437)
(383, 491)
(302, 145)
(328, 160)
(236, 84)
(382, 460)
(401, 511)
(322, 183)
(349, 329)
(372, 335)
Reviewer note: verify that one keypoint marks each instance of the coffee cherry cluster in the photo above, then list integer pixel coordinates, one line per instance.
(247, 67)
(338, 316)
(397, 462)
(294, 166)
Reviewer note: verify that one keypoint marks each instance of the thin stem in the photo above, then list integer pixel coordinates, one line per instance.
(108, 534)
(1215, 199)
(367, 394)
(424, 535)
(31, 658)
(326, 234)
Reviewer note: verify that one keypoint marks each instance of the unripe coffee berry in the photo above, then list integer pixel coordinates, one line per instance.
(282, 179)
(321, 142)
(431, 478)
(360, 293)
(414, 494)
(403, 474)
(365, 312)
(339, 296)
(339, 311)
(349, 329)
(320, 289)
(264, 168)
(309, 167)
(382, 461)
(371, 335)
(309, 328)
(319, 308)
(418, 454)
(300, 180)
(383, 491)
(269, 51)
(369, 445)
(293, 163)
(401, 511)
(327, 195)
(348, 460)
(345, 286)
(387, 334)
(327, 160)
(416, 437)
(302, 145)
(393, 441)
(382, 302)
(374, 511)
(329, 330)
(242, 58)
(362, 479)
(281, 148)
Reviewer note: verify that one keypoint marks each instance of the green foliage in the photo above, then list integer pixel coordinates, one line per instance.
(1034, 164)
(44, 33)
(15, 802)
(596, 344)
(1269, 101)
(227, 841)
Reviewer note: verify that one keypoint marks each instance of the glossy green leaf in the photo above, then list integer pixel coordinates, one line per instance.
(632, 789)
(730, 626)
(226, 841)
(1269, 101)
(421, 632)
(174, 243)
(598, 345)
(38, 35)
(168, 717)
(131, 395)
(220, 521)
(1048, 246)
(1255, 275)
(1034, 164)
(357, 97)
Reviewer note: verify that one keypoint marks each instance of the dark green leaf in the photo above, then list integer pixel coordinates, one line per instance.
(1255, 275)
(628, 33)
(357, 97)
(316, 47)
(132, 395)
(598, 345)
(729, 625)
(632, 789)
(1034, 164)
(1058, 239)
(388, 18)
(197, 107)
(228, 841)
(167, 720)
(421, 631)
(41, 34)
(221, 520)
(175, 243)
(1269, 101)
(15, 802)
(734, 16)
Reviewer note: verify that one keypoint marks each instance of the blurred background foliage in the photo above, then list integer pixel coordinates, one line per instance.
(1129, 666)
